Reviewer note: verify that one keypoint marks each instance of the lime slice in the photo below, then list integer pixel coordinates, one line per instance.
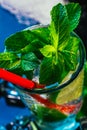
(72, 91)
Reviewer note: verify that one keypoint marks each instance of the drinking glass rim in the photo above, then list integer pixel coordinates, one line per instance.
(74, 75)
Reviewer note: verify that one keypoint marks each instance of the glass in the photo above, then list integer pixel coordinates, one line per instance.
(55, 107)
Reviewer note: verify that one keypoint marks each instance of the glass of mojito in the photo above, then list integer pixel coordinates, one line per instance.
(55, 105)
(53, 57)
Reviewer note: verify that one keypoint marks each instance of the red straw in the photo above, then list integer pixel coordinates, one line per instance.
(16, 79)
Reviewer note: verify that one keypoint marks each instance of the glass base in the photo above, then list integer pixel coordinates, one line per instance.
(67, 124)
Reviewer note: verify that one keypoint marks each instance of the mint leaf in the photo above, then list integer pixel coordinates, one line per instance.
(43, 34)
(20, 41)
(59, 27)
(28, 41)
(74, 13)
(48, 50)
(29, 74)
(49, 72)
(34, 47)
(14, 65)
(69, 53)
(29, 62)
(8, 60)
(7, 56)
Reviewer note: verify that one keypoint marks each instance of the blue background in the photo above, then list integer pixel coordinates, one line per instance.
(8, 26)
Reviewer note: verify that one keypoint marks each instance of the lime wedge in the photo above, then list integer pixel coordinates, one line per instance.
(72, 91)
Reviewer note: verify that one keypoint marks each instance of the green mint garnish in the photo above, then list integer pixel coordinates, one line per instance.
(29, 61)
(73, 12)
(8, 60)
(60, 56)
(53, 48)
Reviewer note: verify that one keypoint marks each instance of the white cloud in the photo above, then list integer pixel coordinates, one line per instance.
(25, 9)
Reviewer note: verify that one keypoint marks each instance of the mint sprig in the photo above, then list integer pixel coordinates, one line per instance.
(26, 40)
(74, 13)
(53, 47)
(29, 61)
(59, 27)
(62, 52)
(48, 50)
(8, 60)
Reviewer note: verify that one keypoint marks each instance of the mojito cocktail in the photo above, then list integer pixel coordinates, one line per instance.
(55, 105)
(53, 57)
